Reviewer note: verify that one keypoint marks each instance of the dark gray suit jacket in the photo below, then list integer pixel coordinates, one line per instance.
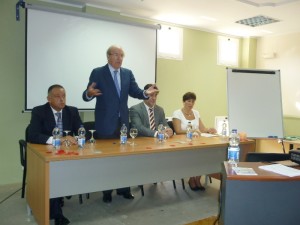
(139, 119)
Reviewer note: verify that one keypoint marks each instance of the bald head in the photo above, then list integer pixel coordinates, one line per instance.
(115, 55)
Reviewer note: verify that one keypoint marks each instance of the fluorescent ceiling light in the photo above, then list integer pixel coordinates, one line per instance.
(257, 21)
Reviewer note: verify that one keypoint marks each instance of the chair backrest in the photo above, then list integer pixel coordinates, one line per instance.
(23, 148)
(266, 157)
(170, 123)
(27, 132)
(89, 125)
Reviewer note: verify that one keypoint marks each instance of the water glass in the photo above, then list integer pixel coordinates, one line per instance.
(133, 134)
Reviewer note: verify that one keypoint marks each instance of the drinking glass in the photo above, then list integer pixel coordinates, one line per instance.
(133, 133)
(92, 140)
(67, 142)
(166, 136)
(196, 132)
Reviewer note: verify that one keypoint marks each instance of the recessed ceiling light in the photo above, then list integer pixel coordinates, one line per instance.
(257, 21)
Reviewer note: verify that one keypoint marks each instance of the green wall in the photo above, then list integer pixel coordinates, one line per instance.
(197, 72)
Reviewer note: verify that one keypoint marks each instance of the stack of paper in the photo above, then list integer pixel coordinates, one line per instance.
(281, 169)
(209, 135)
(244, 171)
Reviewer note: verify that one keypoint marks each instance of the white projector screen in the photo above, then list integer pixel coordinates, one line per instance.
(64, 48)
(254, 102)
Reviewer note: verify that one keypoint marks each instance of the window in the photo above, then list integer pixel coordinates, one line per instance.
(228, 49)
(169, 43)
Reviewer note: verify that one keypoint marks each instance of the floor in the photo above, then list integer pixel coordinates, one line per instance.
(162, 204)
(207, 221)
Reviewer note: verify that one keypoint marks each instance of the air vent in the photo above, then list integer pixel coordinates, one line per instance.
(257, 21)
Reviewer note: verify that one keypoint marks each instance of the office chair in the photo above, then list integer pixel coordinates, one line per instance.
(89, 125)
(170, 123)
(23, 159)
(266, 157)
(174, 184)
(140, 186)
(23, 148)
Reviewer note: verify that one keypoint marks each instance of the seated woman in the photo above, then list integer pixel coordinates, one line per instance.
(181, 118)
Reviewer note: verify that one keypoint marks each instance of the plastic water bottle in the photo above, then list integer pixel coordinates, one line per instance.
(234, 139)
(189, 131)
(224, 129)
(56, 138)
(81, 137)
(160, 133)
(234, 149)
(123, 135)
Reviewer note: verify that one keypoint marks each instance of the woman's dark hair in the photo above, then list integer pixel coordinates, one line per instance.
(189, 96)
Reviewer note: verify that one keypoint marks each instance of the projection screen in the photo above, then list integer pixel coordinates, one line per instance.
(63, 48)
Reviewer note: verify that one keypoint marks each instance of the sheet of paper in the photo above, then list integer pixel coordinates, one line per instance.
(209, 135)
(287, 163)
(281, 169)
(244, 171)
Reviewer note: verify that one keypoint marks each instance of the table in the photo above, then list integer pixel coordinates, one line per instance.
(292, 144)
(109, 165)
(265, 199)
(271, 145)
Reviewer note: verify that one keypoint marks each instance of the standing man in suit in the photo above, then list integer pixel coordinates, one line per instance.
(43, 119)
(140, 116)
(111, 85)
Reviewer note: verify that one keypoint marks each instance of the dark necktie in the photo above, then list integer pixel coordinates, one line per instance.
(59, 123)
(151, 119)
(116, 82)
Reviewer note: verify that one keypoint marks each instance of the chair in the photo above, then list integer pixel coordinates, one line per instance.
(89, 125)
(170, 123)
(174, 184)
(23, 148)
(23, 159)
(266, 157)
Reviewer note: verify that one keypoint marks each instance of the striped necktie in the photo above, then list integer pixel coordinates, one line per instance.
(59, 123)
(116, 82)
(151, 119)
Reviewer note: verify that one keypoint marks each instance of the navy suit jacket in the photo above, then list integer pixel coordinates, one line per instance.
(43, 121)
(109, 106)
(140, 119)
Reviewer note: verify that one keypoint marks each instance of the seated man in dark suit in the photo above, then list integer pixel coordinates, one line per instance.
(146, 116)
(43, 119)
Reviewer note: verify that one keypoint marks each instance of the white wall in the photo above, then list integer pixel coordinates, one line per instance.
(287, 59)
